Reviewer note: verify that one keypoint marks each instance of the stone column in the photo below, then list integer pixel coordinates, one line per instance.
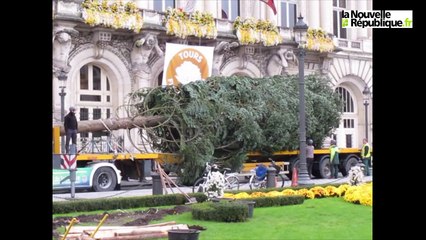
(302, 9)
(142, 4)
(362, 32)
(211, 6)
(197, 5)
(369, 30)
(326, 7)
(352, 32)
(313, 15)
(270, 14)
(250, 8)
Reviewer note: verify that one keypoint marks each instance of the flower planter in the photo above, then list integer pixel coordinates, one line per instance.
(250, 205)
(183, 234)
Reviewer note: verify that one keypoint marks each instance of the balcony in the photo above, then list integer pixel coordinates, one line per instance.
(358, 45)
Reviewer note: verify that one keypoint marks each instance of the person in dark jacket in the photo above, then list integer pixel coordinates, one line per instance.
(71, 126)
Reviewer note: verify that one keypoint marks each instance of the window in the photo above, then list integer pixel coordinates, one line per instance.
(348, 140)
(348, 123)
(347, 132)
(84, 115)
(84, 81)
(334, 137)
(162, 5)
(345, 96)
(160, 79)
(338, 31)
(94, 97)
(230, 9)
(94, 85)
(287, 13)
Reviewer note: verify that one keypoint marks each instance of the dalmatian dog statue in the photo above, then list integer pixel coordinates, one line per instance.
(356, 175)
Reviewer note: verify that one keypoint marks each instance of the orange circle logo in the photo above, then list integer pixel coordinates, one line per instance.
(186, 66)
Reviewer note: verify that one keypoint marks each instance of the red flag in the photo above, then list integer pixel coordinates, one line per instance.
(271, 4)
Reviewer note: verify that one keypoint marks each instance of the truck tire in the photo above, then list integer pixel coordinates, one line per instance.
(104, 180)
(315, 169)
(348, 163)
(324, 167)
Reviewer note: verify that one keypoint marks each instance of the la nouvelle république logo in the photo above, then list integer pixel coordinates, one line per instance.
(377, 19)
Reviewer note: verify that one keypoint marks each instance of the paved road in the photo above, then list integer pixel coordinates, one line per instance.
(146, 189)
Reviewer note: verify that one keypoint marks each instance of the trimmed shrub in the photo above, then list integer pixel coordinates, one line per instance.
(223, 211)
(123, 203)
(276, 201)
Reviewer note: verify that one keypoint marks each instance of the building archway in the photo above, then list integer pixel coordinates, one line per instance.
(351, 129)
(97, 87)
(233, 67)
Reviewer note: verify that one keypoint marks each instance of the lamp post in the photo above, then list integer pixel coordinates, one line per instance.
(300, 31)
(62, 84)
(366, 92)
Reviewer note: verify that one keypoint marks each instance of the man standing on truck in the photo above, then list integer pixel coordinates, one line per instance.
(70, 126)
(366, 156)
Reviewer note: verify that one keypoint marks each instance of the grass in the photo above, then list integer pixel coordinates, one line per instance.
(325, 218)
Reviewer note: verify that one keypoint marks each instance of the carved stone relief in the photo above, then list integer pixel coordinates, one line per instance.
(144, 49)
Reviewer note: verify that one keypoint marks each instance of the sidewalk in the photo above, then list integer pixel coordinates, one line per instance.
(148, 190)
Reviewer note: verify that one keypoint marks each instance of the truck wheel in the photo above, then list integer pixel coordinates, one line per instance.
(104, 179)
(347, 164)
(324, 168)
(315, 169)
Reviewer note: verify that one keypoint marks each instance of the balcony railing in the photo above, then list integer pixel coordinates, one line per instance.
(358, 45)
(72, 9)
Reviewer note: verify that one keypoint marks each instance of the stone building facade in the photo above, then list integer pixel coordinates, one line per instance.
(102, 66)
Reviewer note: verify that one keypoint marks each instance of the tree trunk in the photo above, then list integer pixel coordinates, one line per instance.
(117, 123)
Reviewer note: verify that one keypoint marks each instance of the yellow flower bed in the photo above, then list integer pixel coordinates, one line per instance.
(356, 194)
(305, 192)
(115, 15)
(251, 31)
(362, 194)
(181, 24)
(318, 40)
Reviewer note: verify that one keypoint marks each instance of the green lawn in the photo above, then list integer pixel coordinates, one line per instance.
(326, 218)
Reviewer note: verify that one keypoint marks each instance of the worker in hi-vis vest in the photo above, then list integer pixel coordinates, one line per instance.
(334, 159)
(366, 156)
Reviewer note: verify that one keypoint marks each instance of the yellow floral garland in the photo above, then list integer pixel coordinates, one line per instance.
(318, 40)
(251, 31)
(181, 24)
(115, 15)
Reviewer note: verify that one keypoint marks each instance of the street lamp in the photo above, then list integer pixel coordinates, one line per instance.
(300, 30)
(62, 84)
(366, 92)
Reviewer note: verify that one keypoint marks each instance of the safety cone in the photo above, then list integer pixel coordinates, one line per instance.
(294, 178)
